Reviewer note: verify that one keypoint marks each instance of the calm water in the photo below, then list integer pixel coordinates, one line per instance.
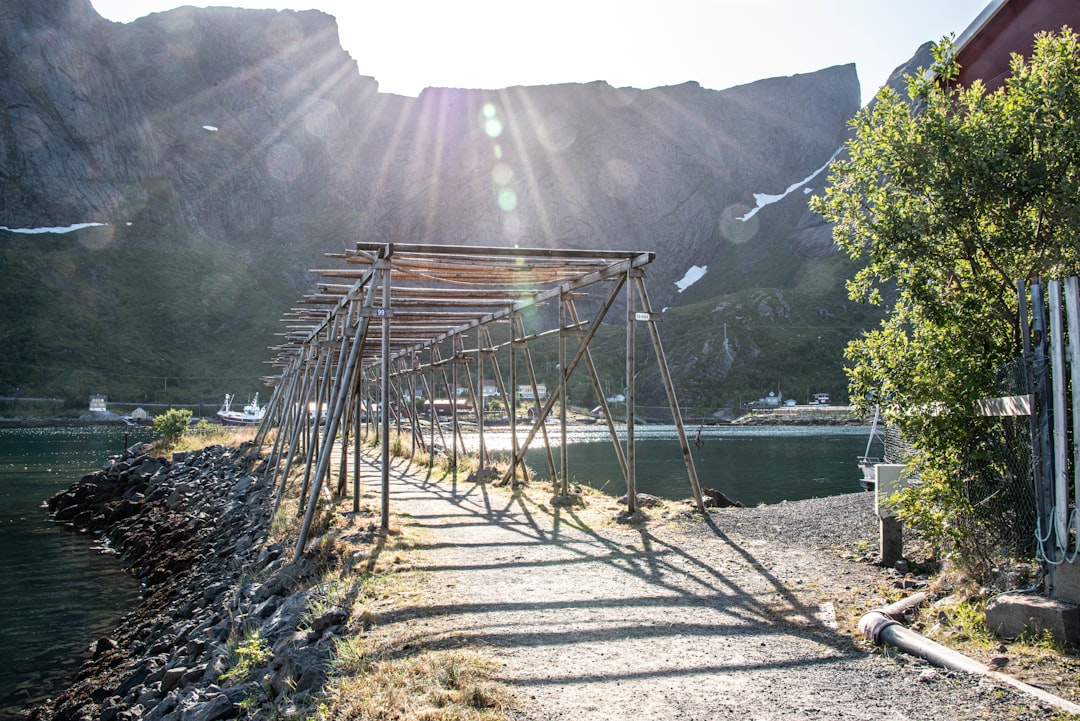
(59, 590)
(751, 464)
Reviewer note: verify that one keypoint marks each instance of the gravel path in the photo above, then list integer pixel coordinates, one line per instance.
(744, 615)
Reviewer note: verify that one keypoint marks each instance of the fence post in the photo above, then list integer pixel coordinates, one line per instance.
(1040, 441)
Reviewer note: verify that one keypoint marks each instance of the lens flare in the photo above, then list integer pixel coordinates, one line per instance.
(284, 162)
(493, 126)
(617, 97)
(735, 230)
(507, 199)
(284, 31)
(320, 117)
(619, 178)
(97, 237)
(513, 228)
(502, 174)
(557, 133)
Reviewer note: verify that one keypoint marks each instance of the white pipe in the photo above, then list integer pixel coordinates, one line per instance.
(879, 626)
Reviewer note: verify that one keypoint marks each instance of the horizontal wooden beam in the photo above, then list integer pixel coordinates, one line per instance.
(1006, 406)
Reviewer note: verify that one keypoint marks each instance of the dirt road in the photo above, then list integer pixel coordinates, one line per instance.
(744, 615)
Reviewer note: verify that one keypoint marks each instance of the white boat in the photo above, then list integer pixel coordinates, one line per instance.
(866, 461)
(250, 416)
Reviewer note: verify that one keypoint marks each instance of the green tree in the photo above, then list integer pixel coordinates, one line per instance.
(949, 198)
(171, 424)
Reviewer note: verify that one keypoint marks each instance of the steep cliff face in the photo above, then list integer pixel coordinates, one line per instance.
(253, 134)
(668, 169)
(233, 121)
(64, 155)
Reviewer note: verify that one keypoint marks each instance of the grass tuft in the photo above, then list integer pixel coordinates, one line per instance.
(205, 434)
(246, 654)
(431, 685)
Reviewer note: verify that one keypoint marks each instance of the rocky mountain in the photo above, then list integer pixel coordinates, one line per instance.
(224, 151)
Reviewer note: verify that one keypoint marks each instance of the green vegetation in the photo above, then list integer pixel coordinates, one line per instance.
(732, 347)
(142, 314)
(246, 654)
(761, 340)
(442, 685)
(950, 199)
(204, 434)
(172, 424)
(152, 314)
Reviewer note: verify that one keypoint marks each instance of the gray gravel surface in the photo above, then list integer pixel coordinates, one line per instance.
(743, 615)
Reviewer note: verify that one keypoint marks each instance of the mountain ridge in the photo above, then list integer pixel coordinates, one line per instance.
(239, 146)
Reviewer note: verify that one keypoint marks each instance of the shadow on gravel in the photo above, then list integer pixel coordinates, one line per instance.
(550, 582)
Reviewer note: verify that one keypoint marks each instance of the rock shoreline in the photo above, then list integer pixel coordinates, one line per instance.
(194, 533)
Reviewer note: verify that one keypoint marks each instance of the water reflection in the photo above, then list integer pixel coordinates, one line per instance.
(59, 590)
(751, 464)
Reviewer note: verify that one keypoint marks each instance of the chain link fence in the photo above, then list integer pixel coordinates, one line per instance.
(1000, 480)
(997, 475)
(897, 449)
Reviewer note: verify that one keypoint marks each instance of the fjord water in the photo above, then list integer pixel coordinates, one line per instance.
(749, 464)
(59, 590)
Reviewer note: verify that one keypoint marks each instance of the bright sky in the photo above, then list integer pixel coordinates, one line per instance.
(407, 45)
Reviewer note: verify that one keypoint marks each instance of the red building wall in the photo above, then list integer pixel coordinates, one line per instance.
(1007, 27)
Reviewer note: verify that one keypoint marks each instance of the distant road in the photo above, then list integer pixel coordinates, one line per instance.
(27, 398)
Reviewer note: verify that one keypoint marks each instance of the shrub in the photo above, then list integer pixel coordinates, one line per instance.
(172, 424)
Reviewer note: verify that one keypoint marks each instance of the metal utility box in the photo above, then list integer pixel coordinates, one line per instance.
(890, 478)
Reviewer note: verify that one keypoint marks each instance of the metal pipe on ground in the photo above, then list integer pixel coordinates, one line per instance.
(881, 626)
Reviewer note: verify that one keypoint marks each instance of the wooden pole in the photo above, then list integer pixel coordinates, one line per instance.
(595, 376)
(299, 424)
(1043, 469)
(384, 517)
(543, 410)
(312, 418)
(631, 341)
(891, 540)
(564, 468)
(332, 421)
(479, 400)
(516, 455)
(357, 442)
(431, 402)
(669, 386)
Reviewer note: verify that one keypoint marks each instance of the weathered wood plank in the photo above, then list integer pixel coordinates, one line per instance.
(1006, 406)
